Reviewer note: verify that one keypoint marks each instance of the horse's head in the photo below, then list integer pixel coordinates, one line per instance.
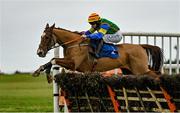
(47, 41)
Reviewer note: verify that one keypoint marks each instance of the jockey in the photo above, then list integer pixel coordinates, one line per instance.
(103, 34)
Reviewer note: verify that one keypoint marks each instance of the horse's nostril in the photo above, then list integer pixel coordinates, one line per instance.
(39, 52)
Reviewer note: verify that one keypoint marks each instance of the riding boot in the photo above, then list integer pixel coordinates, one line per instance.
(97, 50)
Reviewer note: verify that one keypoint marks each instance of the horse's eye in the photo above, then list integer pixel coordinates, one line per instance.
(46, 37)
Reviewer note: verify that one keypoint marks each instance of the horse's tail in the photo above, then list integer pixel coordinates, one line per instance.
(155, 56)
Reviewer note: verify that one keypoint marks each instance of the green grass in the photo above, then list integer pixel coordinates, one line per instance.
(24, 93)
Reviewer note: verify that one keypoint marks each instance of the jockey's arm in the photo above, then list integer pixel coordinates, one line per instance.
(101, 32)
(90, 31)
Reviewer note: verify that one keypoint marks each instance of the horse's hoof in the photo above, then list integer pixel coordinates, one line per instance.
(36, 74)
(38, 71)
(49, 79)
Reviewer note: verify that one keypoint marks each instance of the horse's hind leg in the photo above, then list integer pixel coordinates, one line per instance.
(139, 66)
(153, 75)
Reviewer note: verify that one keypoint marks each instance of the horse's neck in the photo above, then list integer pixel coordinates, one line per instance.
(65, 36)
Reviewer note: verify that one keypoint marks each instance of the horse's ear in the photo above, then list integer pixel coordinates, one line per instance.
(47, 25)
(53, 25)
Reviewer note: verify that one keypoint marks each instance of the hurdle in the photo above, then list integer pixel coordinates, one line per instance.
(105, 97)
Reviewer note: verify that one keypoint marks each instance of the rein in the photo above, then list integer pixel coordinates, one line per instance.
(65, 43)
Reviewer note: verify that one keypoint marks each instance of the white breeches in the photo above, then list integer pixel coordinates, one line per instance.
(113, 38)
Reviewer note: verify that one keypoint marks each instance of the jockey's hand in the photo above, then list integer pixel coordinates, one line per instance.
(84, 37)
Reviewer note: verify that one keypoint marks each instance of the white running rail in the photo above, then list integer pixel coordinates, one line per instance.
(166, 41)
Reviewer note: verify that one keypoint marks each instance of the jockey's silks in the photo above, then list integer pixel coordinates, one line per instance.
(106, 27)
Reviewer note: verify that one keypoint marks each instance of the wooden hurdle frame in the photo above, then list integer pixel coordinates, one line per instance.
(117, 96)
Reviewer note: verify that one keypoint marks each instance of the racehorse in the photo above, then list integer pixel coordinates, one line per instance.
(134, 58)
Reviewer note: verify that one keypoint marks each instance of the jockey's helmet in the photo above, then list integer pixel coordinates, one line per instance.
(94, 17)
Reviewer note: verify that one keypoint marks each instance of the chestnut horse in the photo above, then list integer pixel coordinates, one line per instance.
(137, 59)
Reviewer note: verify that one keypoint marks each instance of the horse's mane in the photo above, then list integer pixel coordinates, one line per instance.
(76, 32)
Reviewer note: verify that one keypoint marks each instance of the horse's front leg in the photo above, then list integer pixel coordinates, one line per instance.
(64, 62)
(46, 67)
